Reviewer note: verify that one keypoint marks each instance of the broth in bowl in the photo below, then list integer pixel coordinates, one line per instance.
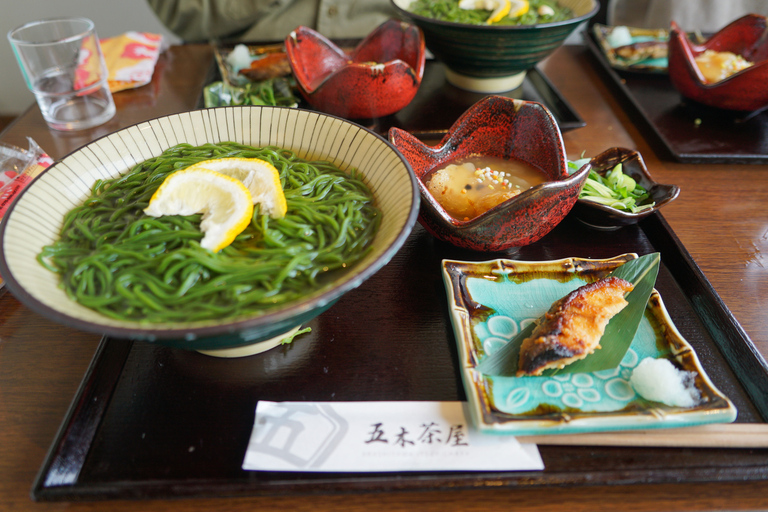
(467, 188)
(115, 259)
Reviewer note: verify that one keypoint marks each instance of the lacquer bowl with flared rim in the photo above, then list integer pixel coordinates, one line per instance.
(744, 90)
(376, 79)
(511, 130)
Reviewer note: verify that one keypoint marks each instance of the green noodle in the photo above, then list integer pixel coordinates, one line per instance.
(113, 258)
(448, 10)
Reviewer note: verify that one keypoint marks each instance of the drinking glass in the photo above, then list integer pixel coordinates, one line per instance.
(63, 66)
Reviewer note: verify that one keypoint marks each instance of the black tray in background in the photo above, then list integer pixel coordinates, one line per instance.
(155, 422)
(438, 104)
(682, 129)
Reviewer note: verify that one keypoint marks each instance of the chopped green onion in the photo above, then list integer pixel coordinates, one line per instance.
(615, 189)
(272, 92)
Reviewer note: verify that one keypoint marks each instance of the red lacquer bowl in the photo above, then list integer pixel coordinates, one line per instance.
(378, 78)
(509, 129)
(745, 90)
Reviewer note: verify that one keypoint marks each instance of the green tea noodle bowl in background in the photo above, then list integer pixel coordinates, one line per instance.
(494, 58)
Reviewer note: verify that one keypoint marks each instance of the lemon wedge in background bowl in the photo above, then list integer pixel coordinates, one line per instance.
(518, 8)
(260, 178)
(224, 201)
(502, 9)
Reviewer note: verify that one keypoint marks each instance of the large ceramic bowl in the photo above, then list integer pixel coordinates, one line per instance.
(35, 219)
(511, 130)
(378, 78)
(494, 58)
(601, 216)
(745, 90)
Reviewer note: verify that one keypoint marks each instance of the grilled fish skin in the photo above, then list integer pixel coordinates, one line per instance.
(573, 326)
(639, 52)
(272, 65)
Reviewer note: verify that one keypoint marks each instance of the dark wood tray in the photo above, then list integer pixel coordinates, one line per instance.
(154, 422)
(682, 129)
(438, 104)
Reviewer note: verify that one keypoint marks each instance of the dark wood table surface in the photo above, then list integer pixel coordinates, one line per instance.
(721, 217)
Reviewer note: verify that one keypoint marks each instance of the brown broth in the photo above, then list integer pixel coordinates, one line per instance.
(469, 187)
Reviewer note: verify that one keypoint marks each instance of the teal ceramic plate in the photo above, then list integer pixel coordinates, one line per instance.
(491, 301)
(610, 38)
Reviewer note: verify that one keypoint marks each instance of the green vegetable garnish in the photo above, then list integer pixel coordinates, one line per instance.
(615, 189)
(289, 339)
(274, 92)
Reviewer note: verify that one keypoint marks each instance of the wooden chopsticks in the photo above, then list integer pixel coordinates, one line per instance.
(731, 435)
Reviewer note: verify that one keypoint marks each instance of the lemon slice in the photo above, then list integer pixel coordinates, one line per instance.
(224, 201)
(259, 176)
(501, 10)
(518, 8)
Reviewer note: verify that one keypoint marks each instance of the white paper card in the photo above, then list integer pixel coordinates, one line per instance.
(378, 437)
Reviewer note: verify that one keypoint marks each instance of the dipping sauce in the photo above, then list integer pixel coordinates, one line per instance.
(717, 66)
(467, 188)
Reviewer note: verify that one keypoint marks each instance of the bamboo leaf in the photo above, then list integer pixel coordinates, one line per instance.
(618, 335)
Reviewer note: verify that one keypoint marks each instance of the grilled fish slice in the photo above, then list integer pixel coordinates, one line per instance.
(638, 52)
(573, 326)
(271, 65)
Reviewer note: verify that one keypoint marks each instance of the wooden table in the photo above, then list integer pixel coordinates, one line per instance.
(721, 217)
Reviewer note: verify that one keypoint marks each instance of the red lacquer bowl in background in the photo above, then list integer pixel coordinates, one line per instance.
(378, 78)
(509, 129)
(745, 90)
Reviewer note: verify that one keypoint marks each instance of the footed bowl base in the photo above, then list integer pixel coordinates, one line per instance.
(485, 85)
(253, 349)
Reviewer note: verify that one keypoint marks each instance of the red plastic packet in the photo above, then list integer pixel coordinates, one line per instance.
(18, 167)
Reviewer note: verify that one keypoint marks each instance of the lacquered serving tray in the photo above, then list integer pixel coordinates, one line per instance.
(682, 129)
(154, 422)
(438, 104)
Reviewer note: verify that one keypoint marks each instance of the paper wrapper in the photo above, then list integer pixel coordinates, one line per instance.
(18, 167)
(131, 59)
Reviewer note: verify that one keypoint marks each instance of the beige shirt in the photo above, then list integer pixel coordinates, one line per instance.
(706, 16)
(269, 20)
